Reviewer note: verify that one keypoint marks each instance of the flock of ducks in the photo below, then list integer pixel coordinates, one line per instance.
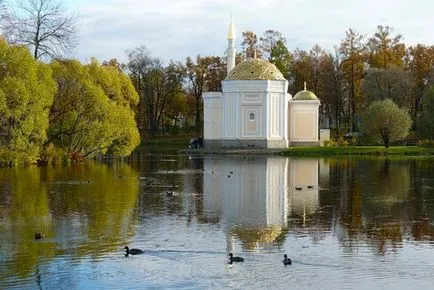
(128, 251)
(232, 258)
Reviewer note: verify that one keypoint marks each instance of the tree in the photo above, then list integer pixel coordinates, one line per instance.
(425, 127)
(155, 84)
(250, 45)
(43, 26)
(92, 112)
(353, 52)
(421, 63)
(384, 50)
(268, 42)
(392, 83)
(300, 70)
(331, 89)
(206, 73)
(386, 122)
(26, 94)
(281, 58)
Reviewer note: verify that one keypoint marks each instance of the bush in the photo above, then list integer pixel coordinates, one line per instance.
(425, 143)
(340, 142)
(52, 155)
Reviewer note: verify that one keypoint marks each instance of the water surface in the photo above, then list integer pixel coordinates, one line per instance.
(346, 223)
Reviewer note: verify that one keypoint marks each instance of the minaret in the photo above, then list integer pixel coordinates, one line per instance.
(231, 48)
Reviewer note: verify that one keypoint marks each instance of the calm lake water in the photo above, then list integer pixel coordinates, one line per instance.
(346, 223)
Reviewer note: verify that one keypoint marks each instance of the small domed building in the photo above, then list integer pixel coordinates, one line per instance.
(254, 109)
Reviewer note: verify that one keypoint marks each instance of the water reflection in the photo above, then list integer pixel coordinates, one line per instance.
(348, 212)
(260, 199)
(83, 209)
(247, 194)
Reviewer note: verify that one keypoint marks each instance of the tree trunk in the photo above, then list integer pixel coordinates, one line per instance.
(386, 141)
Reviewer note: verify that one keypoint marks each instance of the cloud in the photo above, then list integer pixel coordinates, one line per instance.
(175, 29)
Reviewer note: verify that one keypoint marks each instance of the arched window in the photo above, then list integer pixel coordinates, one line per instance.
(252, 117)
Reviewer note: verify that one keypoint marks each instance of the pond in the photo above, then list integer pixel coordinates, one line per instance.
(363, 223)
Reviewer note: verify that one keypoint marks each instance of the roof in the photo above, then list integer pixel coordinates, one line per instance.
(255, 69)
(305, 95)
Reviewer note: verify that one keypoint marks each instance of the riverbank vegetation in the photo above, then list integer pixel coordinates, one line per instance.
(360, 150)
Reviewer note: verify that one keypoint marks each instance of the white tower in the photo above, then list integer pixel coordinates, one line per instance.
(231, 48)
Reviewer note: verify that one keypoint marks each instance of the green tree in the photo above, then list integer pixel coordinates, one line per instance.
(26, 94)
(91, 111)
(386, 122)
(425, 123)
(42, 25)
(281, 58)
(392, 83)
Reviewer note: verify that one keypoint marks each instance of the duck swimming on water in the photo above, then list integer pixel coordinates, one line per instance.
(286, 260)
(39, 236)
(234, 259)
(132, 251)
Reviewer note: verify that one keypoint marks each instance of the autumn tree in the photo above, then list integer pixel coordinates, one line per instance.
(386, 122)
(250, 45)
(421, 63)
(268, 42)
(386, 50)
(26, 94)
(42, 25)
(300, 70)
(353, 53)
(331, 89)
(205, 73)
(155, 84)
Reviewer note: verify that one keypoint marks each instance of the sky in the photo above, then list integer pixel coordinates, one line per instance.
(175, 29)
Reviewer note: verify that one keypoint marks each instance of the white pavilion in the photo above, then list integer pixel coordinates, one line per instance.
(255, 110)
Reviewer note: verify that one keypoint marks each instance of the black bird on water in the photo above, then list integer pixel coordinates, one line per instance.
(286, 260)
(133, 251)
(39, 236)
(234, 259)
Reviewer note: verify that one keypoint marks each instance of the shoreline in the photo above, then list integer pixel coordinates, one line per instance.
(407, 151)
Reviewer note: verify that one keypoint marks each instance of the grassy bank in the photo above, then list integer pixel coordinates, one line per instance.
(360, 150)
(175, 140)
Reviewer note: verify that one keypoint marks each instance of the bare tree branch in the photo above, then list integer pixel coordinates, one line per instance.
(42, 25)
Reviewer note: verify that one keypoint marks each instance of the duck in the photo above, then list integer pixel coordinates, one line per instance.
(286, 260)
(298, 188)
(133, 251)
(234, 259)
(310, 186)
(39, 236)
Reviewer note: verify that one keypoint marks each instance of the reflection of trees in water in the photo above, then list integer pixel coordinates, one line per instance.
(379, 200)
(91, 206)
(27, 211)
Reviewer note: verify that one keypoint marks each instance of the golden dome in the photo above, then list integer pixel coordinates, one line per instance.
(255, 69)
(305, 95)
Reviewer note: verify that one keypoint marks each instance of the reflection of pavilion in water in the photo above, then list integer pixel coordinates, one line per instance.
(255, 195)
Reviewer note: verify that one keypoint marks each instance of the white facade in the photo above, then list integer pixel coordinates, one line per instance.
(254, 109)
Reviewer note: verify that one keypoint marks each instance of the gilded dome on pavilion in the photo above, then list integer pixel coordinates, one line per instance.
(255, 69)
